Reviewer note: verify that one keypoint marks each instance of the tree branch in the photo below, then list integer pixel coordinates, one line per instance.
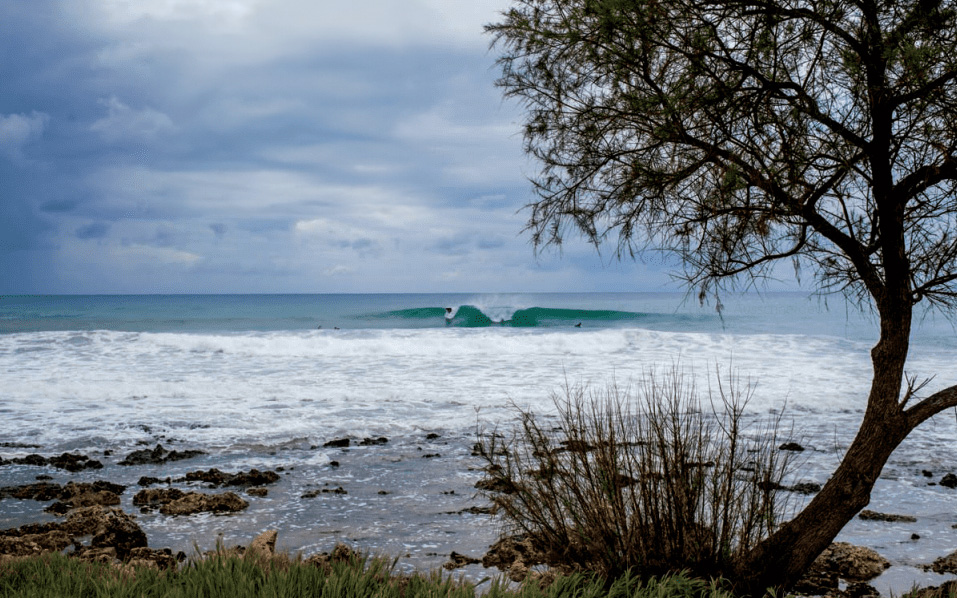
(931, 406)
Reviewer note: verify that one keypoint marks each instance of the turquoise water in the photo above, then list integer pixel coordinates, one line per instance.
(774, 313)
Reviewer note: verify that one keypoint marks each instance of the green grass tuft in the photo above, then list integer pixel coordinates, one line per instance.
(230, 576)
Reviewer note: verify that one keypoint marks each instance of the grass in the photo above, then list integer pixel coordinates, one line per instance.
(231, 576)
(653, 479)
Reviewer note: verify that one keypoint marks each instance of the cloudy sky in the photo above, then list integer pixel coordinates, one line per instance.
(230, 146)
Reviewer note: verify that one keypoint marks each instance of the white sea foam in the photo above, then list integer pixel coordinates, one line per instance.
(273, 386)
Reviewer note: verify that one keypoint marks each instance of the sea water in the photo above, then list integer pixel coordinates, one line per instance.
(265, 380)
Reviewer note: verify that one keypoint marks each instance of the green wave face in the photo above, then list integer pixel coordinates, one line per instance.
(469, 316)
(543, 316)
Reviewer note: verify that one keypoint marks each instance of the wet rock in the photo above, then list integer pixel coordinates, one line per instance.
(15, 543)
(340, 554)
(945, 590)
(102, 497)
(495, 485)
(868, 515)
(217, 478)
(949, 481)
(155, 497)
(158, 455)
(513, 555)
(114, 534)
(337, 443)
(155, 559)
(945, 564)
(457, 561)
(149, 481)
(72, 462)
(861, 590)
(849, 562)
(791, 446)
(264, 544)
(315, 493)
(374, 441)
(257, 491)
(99, 492)
(432, 436)
(119, 531)
(42, 491)
(197, 502)
(805, 488)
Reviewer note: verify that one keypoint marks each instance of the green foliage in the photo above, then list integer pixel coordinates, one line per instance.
(652, 482)
(58, 576)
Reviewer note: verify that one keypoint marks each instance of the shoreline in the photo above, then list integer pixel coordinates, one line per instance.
(412, 499)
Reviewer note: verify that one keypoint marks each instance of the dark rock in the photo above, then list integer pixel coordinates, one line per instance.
(155, 497)
(431, 456)
(926, 473)
(340, 554)
(40, 491)
(915, 536)
(257, 491)
(457, 561)
(791, 446)
(861, 590)
(945, 564)
(475, 511)
(495, 485)
(333, 464)
(945, 590)
(157, 456)
(432, 436)
(197, 502)
(337, 443)
(14, 543)
(163, 560)
(949, 481)
(853, 563)
(33, 459)
(253, 477)
(74, 462)
(805, 488)
(374, 441)
(43, 477)
(119, 531)
(315, 493)
(868, 515)
(86, 499)
(149, 481)
(575, 446)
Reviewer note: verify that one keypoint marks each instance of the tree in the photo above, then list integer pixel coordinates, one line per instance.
(738, 134)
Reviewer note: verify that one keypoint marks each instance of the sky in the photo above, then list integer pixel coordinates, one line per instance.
(269, 146)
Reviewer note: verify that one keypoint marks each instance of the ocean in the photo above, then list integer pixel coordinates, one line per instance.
(266, 380)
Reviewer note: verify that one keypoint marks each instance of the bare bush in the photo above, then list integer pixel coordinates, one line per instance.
(653, 480)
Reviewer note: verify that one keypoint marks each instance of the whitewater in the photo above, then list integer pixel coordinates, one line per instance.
(266, 381)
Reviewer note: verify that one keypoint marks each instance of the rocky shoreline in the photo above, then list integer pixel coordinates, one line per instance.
(89, 522)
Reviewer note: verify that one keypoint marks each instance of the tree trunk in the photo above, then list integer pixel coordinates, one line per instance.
(781, 559)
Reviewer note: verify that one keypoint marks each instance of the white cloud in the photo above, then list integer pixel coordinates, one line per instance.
(123, 123)
(124, 11)
(131, 255)
(16, 130)
(338, 270)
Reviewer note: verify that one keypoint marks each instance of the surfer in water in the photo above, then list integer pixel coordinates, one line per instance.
(448, 316)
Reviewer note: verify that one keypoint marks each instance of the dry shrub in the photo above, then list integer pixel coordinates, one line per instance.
(653, 480)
